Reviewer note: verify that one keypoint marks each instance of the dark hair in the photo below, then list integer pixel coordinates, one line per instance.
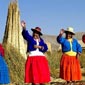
(35, 32)
(69, 33)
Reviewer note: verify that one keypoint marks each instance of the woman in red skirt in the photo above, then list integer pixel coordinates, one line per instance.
(36, 67)
(69, 64)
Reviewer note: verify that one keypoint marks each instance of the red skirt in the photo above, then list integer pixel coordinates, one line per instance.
(70, 68)
(37, 70)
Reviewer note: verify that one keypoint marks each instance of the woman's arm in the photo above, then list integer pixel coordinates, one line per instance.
(43, 46)
(79, 49)
(25, 33)
(59, 38)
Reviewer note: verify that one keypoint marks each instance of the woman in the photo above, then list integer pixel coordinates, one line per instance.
(4, 74)
(71, 49)
(36, 67)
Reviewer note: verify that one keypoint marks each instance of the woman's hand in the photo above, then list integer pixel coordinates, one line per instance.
(61, 31)
(39, 47)
(78, 54)
(23, 24)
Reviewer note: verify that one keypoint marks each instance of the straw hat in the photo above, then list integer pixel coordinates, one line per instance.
(70, 29)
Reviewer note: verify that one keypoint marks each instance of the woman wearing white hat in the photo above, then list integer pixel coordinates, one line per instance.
(71, 49)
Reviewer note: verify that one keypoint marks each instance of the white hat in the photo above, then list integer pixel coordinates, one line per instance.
(70, 29)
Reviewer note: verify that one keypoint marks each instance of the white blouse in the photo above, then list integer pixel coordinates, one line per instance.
(36, 52)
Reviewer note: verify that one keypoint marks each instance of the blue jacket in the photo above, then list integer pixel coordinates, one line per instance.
(31, 42)
(76, 47)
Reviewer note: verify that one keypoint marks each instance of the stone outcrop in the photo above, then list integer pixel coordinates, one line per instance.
(13, 29)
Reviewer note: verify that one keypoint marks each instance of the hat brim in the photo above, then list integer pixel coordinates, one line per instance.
(36, 31)
(69, 32)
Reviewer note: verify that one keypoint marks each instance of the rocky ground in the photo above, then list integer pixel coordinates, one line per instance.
(58, 82)
(76, 83)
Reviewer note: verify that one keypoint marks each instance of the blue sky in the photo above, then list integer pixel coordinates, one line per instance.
(50, 15)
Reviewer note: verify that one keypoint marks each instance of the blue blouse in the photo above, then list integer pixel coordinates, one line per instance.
(31, 42)
(76, 47)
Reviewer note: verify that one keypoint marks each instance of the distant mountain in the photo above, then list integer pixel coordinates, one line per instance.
(79, 35)
(52, 40)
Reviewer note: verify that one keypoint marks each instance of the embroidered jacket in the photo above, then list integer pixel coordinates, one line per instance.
(76, 47)
(31, 42)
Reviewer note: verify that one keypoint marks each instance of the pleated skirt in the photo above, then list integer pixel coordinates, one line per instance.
(37, 70)
(70, 68)
(4, 72)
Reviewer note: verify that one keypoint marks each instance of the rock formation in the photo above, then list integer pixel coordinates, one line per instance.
(13, 29)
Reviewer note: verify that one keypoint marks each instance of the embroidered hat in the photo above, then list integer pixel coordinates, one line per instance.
(70, 29)
(37, 30)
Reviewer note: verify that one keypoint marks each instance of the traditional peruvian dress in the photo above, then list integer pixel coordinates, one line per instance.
(36, 67)
(69, 64)
(4, 73)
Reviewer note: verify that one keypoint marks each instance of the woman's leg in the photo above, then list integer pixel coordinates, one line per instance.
(35, 84)
(38, 84)
(42, 84)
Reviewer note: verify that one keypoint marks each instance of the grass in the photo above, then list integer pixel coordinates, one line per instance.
(82, 59)
(54, 62)
(16, 63)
